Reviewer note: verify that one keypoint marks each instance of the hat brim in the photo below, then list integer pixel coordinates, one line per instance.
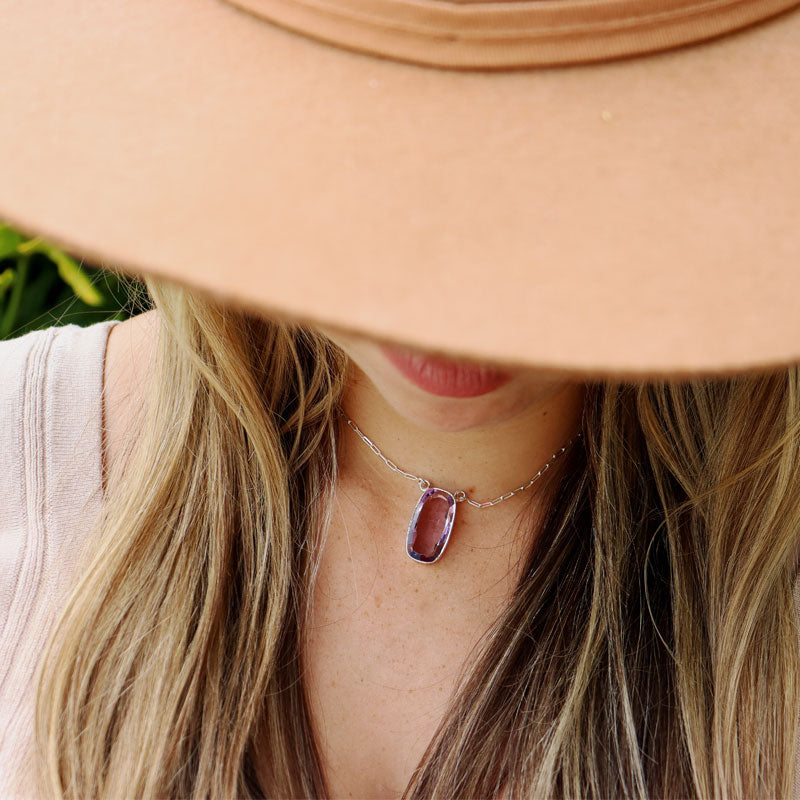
(631, 218)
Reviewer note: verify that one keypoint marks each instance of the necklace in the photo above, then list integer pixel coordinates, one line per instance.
(435, 513)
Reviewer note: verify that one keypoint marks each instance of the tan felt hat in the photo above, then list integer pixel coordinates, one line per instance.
(609, 187)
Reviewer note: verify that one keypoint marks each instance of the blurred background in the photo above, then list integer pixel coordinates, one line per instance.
(42, 285)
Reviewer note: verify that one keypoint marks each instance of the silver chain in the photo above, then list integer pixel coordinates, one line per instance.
(460, 495)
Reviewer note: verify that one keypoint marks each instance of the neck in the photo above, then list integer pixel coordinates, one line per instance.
(484, 462)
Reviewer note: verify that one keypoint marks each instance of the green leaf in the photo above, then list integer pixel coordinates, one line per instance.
(68, 269)
(6, 279)
(41, 285)
(9, 317)
(72, 274)
(9, 241)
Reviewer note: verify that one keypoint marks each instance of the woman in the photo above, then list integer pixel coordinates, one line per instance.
(245, 618)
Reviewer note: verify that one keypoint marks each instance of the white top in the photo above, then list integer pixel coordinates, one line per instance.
(51, 384)
(50, 492)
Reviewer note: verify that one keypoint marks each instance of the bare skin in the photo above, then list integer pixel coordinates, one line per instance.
(127, 367)
(389, 636)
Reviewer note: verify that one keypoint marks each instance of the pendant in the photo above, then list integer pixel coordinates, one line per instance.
(431, 525)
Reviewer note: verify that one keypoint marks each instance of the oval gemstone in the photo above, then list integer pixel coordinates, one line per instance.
(431, 525)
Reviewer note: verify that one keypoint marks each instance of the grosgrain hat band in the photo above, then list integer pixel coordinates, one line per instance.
(519, 33)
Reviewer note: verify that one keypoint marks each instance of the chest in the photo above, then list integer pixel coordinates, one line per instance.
(377, 698)
(386, 644)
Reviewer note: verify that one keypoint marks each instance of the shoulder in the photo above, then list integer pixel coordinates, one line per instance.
(50, 393)
(128, 367)
(23, 364)
(51, 384)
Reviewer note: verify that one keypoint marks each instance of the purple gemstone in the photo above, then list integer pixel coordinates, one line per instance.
(431, 524)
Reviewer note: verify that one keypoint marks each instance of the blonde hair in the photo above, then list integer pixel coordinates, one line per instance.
(650, 648)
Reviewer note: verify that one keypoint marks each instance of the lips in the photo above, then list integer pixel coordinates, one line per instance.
(445, 377)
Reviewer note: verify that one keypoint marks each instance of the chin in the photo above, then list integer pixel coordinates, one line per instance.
(452, 415)
(425, 409)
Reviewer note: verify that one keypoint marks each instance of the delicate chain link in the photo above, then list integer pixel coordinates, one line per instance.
(460, 495)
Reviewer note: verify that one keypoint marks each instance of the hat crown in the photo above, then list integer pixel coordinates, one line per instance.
(508, 34)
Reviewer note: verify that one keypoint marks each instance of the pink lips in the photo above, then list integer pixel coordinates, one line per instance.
(444, 377)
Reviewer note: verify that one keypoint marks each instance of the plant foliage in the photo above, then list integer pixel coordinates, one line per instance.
(41, 285)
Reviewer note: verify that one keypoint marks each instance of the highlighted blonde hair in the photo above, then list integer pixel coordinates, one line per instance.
(649, 650)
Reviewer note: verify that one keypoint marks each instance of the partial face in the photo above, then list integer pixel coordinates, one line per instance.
(444, 394)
